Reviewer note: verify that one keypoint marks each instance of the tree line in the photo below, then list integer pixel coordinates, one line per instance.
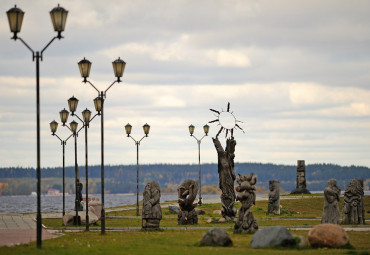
(122, 178)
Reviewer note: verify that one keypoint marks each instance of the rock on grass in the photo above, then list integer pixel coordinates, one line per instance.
(272, 236)
(216, 237)
(328, 235)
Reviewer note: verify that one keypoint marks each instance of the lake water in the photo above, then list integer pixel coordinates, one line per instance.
(26, 204)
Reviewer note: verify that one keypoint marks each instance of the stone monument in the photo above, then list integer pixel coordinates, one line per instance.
(330, 212)
(353, 205)
(246, 195)
(152, 212)
(301, 187)
(273, 206)
(226, 176)
(187, 192)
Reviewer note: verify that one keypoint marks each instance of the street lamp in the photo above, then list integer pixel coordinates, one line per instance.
(146, 129)
(118, 67)
(53, 129)
(58, 17)
(191, 131)
(72, 104)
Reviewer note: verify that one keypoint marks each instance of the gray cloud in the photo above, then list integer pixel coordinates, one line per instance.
(296, 73)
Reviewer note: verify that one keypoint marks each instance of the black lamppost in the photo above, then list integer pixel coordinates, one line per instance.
(118, 68)
(146, 129)
(86, 119)
(206, 130)
(73, 128)
(58, 17)
(53, 129)
(86, 115)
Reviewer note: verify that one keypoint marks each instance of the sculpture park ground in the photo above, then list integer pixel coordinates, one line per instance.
(124, 235)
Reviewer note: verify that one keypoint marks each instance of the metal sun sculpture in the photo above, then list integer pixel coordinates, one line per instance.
(227, 121)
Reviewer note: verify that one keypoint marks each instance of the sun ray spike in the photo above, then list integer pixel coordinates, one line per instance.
(219, 131)
(227, 132)
(232, 132)
(215, 111)
(213, 121)
(228, 106)
(239, 127)
(239, 121)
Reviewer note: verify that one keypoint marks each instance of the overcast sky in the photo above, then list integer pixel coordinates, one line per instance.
(297, 73)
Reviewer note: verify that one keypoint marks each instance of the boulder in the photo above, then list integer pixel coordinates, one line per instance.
(222, 220)
(95, 207)
(92, 218)
(272, 236)
(328, 235)
(216, 237)
(173, 209)
(69, 218)
(217, 212)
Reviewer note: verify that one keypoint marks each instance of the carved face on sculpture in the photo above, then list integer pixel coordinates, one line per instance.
(355, 187)
(332, 183)
(242, 178)
(274, 185)
(151, 186)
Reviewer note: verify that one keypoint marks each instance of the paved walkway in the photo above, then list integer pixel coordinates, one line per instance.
(9, 237)
(20, 228)
(17, 221)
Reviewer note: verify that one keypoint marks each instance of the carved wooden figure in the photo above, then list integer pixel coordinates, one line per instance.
(246, 195)
(273, 206)
(330, 212)
(152, 212)
(226, 176)
(187, 192)
(353, 204)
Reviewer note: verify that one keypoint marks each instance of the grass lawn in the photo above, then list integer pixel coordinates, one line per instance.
(168, 242)
(172, 222)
